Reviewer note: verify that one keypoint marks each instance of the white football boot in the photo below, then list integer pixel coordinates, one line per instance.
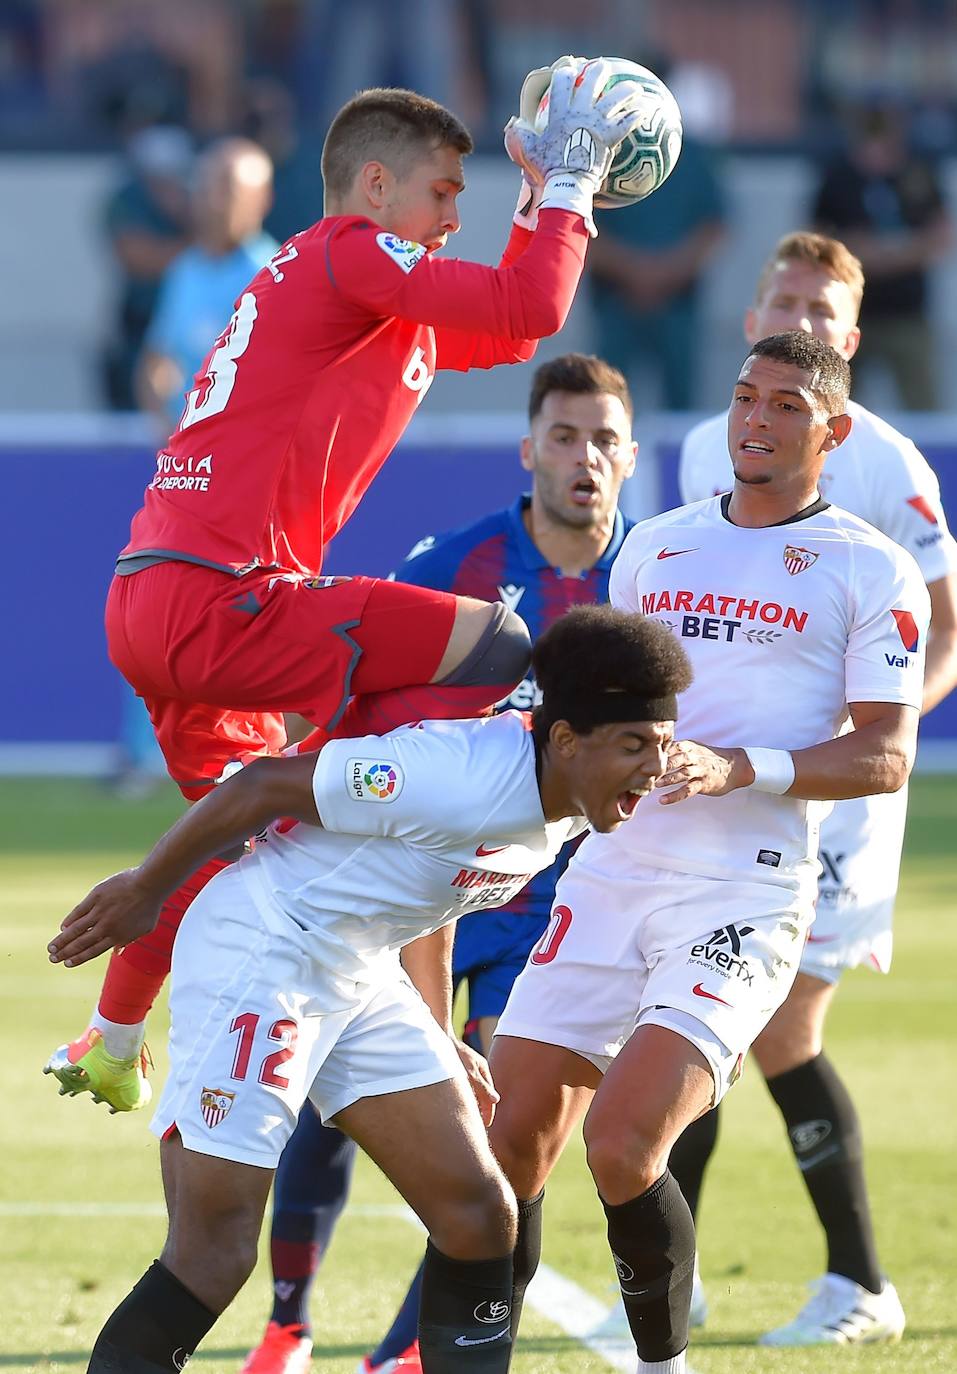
(841, 1312)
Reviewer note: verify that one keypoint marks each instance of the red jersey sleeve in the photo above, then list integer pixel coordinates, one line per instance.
(458, 350)
(523, 301)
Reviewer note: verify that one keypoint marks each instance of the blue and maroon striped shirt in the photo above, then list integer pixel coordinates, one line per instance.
(494, 559)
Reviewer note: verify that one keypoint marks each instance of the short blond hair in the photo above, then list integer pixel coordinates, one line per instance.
(817, 250)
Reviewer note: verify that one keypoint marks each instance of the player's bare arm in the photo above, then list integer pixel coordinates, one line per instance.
(428, 962)
(876, 756)
(127, 905)
(940, 672)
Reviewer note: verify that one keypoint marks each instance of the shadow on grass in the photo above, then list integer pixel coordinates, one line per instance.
(542, 1345)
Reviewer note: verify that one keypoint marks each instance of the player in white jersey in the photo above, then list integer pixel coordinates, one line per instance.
(286, 984)
(814, 283)
(673, 942)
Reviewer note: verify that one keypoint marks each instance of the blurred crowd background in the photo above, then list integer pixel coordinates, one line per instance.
(797, 113)
(154, 152)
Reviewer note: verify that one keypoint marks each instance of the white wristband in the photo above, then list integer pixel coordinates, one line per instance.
(773, 770)
(570, 191)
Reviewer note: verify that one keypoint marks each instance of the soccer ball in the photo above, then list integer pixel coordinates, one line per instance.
(645, 157)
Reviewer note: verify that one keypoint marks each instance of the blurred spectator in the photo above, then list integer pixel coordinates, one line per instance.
(177, 61)
(646, 269)
(422, 44)
(232, 192)
(269, 119)
(146, 219)
(886, 203)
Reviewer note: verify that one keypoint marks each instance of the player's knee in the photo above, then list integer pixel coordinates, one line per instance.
(624, 1157)
(526, 1155)
(478, 1223)
(214, 1253)
(500, 655)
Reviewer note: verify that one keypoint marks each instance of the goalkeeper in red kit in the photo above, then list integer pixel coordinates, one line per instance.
(218, 615)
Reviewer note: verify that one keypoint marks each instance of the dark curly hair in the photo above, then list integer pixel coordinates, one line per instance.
(593, 650)
(829, 372)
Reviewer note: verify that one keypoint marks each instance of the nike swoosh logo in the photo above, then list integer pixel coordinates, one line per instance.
(674, 553)
(699, 991)
(482, 1340)
(483, 853)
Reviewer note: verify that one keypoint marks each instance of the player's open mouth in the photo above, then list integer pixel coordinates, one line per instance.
(627, 801)
(584, 491)
(755, 446)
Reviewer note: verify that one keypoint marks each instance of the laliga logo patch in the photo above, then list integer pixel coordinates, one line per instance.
(215, 1103)
(907, 629)
(371, 781)
(798, 560)
(403, 252)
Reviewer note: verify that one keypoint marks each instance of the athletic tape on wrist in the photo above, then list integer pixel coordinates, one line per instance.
(773, 770)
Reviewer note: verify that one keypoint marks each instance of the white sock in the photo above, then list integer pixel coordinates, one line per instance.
(119, 1040)
(676, 1365)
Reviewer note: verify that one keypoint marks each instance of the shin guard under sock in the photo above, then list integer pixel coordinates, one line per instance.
(154, 1330)
(464, 1315)
(652, 1241)
(138, 971)
(528, 1253)
(690, 1155)
(825, 1135)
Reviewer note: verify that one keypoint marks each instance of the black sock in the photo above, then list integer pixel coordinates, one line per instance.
(463, 1317)
(154, 1330)
(690, 1155)
(528, 1252)
(652, 1242)
(825, 1135)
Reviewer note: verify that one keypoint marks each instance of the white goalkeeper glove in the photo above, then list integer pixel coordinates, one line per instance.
(572, 154)
(533, 182)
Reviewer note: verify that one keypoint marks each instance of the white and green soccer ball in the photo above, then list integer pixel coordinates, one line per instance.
(645, 157)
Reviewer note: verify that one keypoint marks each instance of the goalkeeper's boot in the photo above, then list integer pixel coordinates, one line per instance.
(282, 1350)
(84, 1066)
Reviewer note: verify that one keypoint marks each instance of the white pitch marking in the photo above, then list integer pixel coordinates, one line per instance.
(554, 1297)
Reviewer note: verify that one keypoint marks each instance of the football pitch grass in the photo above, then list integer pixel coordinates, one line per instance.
(81, 1207)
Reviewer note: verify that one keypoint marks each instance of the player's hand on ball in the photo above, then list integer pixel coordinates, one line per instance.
(696, 770)
(116, 912)
(570, 152)
(480, 1080)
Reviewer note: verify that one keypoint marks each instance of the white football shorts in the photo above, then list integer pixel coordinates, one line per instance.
(259, 1026)
(709, 958)
(861, 842)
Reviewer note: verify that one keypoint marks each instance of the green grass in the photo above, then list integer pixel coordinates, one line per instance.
(892, 1038)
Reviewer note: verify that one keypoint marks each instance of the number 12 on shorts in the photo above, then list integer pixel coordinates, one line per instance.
(285, 1031)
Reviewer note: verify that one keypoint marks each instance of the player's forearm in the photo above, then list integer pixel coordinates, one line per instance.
(428, 962)
(238, 808)
(940, 672)
(873, 759)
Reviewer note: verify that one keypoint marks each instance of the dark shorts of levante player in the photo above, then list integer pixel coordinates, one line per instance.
(218, 659)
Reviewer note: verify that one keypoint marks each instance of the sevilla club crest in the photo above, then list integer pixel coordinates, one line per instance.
(215, 1103)
(798, 560)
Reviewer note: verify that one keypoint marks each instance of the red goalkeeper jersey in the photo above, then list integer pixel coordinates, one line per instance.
(307, 390)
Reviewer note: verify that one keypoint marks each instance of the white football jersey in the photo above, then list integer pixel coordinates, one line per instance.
(418, 827)
(784, 627)
(877, 473)
(880, 475)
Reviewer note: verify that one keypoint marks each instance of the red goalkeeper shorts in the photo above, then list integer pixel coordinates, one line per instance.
(218, 659)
